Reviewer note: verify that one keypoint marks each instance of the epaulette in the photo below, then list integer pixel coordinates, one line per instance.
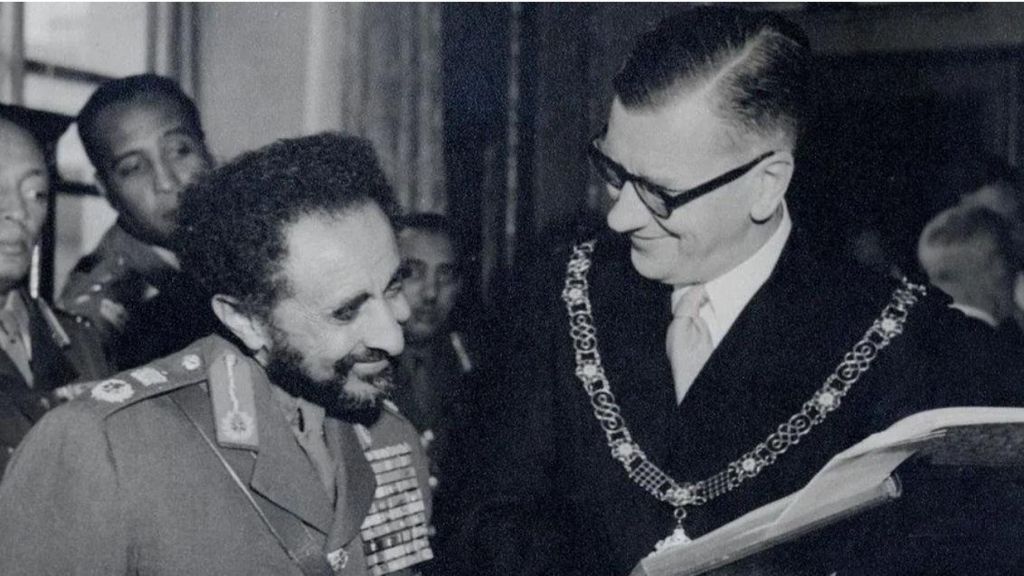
(132, 386)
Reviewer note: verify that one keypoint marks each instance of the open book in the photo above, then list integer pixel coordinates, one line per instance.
(854, 480)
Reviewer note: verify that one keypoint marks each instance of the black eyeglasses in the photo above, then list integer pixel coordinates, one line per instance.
(659, 200)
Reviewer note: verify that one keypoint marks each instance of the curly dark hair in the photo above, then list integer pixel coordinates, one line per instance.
(231, 237)
(141, 87)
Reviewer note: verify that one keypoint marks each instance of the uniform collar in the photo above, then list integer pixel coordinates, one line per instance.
(283, 474)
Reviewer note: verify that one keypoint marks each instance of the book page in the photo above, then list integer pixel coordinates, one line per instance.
(841, 481)
(853, 480)
(954, 436)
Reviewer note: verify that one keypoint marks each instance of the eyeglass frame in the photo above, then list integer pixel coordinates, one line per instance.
(670, 198)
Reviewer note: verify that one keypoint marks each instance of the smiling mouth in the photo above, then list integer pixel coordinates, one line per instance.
(369, 370)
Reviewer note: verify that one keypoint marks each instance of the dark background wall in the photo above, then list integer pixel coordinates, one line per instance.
(910, 96)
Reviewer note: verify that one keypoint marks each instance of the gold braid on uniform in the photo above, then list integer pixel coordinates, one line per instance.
(813, 412)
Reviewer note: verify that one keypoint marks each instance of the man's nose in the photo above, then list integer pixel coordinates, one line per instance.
(12, 206)
(628, 212)
(428, 291)
(166, 178)
(384, 331)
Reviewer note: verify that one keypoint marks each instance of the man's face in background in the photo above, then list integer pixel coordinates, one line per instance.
(24, 187)
(433, 283)
(150, 153)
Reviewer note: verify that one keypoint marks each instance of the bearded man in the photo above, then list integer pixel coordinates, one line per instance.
(266, 450)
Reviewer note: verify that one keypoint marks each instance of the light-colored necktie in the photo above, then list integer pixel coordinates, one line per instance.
(688, 342)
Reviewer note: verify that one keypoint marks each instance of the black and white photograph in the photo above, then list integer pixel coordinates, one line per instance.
(511, 289)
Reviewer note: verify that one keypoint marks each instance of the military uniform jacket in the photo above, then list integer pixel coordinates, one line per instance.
(143, 307)
(66, 350)
(143, 476)
(553, 500)
(442, 406)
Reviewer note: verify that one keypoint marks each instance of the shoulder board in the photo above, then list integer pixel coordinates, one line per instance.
(132, 386)
(232, 379)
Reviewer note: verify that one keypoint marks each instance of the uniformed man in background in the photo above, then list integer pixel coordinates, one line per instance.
(270, 450)
(973, 254)
(42, 351)
(144, 137)
(436, 360)
(438, 375)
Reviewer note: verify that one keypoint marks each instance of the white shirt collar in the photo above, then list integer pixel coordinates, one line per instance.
(977, 313)
(730, 293)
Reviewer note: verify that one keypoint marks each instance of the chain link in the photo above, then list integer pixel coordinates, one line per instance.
(650, 477)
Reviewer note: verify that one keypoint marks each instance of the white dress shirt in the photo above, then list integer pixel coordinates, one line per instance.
(730, 293)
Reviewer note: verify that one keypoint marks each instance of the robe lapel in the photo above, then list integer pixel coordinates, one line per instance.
(632, 315)
(771, 359)
(777, 353)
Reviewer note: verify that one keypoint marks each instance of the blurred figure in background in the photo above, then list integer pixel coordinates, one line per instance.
(42, 351)
(144, 137)
(971, 253)
(999, 189)
(438, 368)
(436, 357)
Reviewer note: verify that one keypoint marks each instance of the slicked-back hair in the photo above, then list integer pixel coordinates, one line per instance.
(138, 88)
(756, 65)
(233, 220)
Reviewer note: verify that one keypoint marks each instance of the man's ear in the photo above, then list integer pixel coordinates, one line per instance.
(772, 184)
(252, 331)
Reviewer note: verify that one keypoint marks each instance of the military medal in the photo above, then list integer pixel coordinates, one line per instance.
(337, 560)
(395, 530)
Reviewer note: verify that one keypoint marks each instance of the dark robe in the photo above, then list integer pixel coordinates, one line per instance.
(554, 501)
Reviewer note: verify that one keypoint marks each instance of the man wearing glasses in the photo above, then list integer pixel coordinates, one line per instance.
(699, 363)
